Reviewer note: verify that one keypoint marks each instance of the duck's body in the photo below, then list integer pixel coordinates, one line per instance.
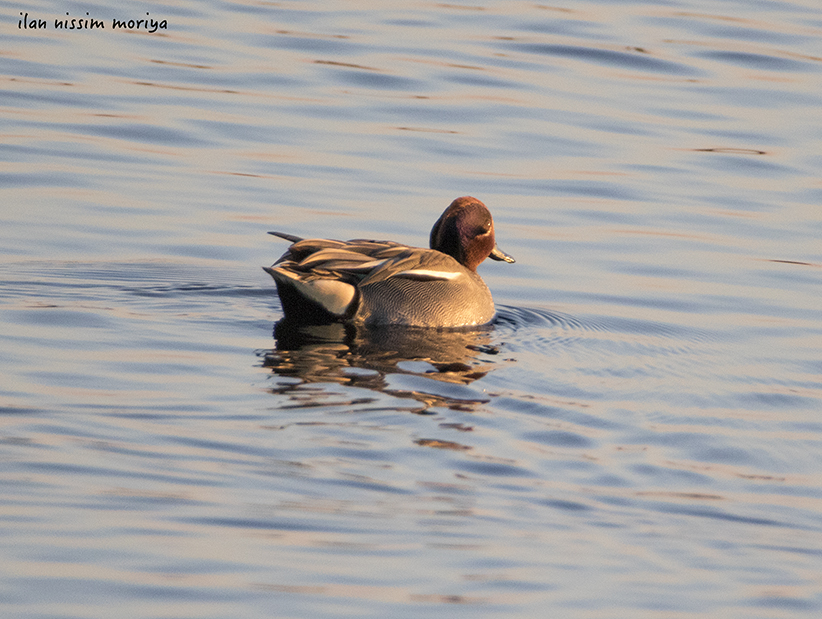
(386, 283)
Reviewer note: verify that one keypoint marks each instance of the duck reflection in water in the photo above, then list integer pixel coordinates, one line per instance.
(434, 367)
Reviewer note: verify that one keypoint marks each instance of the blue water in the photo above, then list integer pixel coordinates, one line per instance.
(639, 433)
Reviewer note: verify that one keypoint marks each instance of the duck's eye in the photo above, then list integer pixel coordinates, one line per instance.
(483, 228)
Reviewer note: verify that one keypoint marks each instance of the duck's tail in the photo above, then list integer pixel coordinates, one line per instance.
(287, 237)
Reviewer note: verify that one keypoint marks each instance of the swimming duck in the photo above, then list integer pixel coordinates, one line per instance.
(387, 283)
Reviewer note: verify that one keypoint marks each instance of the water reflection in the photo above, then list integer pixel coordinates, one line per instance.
(434, 367)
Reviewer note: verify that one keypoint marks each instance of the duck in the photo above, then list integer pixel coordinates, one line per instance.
(377, 283)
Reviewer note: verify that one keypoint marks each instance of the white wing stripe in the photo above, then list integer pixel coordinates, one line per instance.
(428, 274)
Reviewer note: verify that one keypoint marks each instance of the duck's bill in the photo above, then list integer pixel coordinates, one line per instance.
(498, 254)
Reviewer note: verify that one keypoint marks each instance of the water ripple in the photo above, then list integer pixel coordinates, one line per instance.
(630, 58)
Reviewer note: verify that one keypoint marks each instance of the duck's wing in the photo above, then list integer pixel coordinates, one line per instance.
(320, 256)
(327, 272)
(414, 263)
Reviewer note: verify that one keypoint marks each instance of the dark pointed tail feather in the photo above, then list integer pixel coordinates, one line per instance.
(287, 237)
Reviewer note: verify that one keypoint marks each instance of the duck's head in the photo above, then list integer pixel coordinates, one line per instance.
(465, 231)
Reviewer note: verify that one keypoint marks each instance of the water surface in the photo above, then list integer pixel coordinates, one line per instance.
(637, 435)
